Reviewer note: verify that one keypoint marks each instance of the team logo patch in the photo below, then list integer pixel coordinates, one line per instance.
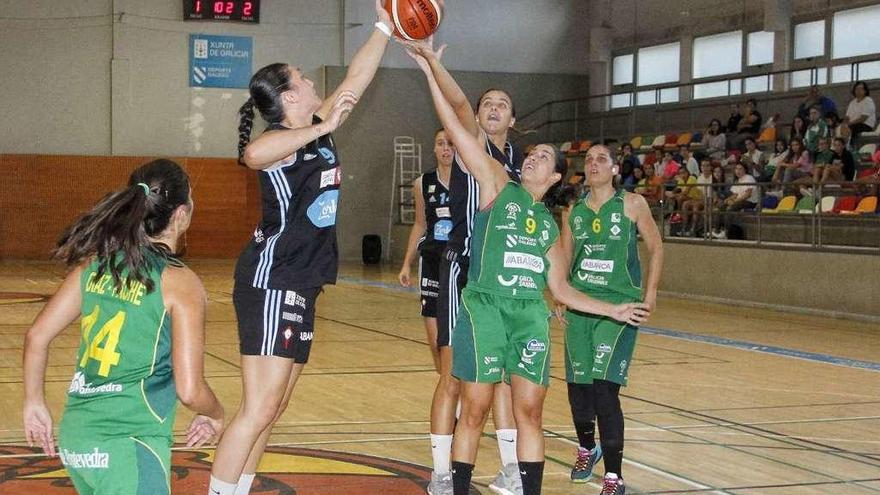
(615, 218)
(536, 345)
(524, 261)
(442, 229)
(615, 230)
(281, 471)
(328, 155)
(322, 212)
(511, 241)
(602, 266)
(332, 177)
(443, 212)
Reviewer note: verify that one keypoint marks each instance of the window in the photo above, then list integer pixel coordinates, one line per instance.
(854, 32)
(757, 84)
(862, 71)
(760, 48)
(841, 73)
(869, 70)
(658, 64)
(804, 78)
(622, 70)
(809, 39)
(717, 54)
(621, 100)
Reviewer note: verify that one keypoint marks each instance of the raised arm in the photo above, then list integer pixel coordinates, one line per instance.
(447, 84)
(62, 310)
(364, 64)
(637, 208)
(277, 145)
(563, 292)
(415, 234)
(185, 300)
(488, 172)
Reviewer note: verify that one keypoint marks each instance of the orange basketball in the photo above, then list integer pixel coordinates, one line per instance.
(414, 19)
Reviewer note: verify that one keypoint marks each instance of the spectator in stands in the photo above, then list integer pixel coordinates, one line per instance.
(748, 126)
(630, 183)
(684, 186)
(720, 189)
(698, 197)
(743, 195)
(651, 158)
(816, 98)
(822, 160)
(688, 160)
(651, 187)
(628, 161)
(837, 128)
(753, 158)
(798, 128)
(871, 177)
(861, 114)
(797, 164)
(733, 120)
(668, 167)
(780, 151)
(816, 129)
(714, 140)
(847, 168)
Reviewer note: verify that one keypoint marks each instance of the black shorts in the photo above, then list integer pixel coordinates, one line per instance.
(429, 281)
(453, 278)
(275, 322)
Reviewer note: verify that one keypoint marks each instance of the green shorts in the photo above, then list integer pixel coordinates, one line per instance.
(496, 337)
(598, 348)
(117, 466)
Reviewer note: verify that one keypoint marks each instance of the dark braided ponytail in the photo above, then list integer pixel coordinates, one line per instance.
(562, 193)
(117, 230)
(265, 88)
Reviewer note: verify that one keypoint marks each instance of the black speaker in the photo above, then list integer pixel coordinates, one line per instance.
(371, 249)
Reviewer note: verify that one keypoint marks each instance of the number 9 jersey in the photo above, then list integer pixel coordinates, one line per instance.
(123, 384)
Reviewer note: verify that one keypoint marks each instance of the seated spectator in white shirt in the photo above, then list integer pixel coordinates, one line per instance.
(780, 150)
(753, 159)
(714, 140)
(743, 195)
(688, 160)
(861, 114)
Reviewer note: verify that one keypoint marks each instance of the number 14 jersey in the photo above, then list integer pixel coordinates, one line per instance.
(123, 383)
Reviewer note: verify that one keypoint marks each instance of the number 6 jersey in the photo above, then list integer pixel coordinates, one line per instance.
(123, 383)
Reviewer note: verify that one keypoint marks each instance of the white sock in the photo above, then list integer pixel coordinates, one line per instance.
(244, 484)
(219, 487)
(441, 452)
(507, 446)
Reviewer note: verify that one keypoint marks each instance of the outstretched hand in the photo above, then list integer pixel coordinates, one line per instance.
(342, 107)
(424, 47)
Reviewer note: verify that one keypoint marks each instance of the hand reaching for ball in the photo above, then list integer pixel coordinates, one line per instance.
(342, 107)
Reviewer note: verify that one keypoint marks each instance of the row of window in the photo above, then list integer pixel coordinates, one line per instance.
(854, 33)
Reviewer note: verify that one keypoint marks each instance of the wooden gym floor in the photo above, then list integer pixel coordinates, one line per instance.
(721, 400)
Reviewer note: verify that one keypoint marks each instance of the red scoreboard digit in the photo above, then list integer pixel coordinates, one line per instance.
(225, 10)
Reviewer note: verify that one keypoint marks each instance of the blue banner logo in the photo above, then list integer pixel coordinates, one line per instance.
(322, 212)
(220, 61)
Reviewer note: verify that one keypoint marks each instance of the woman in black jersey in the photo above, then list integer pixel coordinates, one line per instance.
(293, 252)
(428, 238)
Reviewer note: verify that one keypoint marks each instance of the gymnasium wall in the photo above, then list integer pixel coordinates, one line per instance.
(110, 77)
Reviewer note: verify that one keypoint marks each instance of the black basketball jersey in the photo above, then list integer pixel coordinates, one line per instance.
(294, 247)
(438, 217)
(465, 194)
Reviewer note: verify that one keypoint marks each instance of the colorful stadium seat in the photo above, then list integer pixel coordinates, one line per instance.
(697, 139)
(585, 146)
(846, 204)
(868, 150)
(670, 142)
(806, 205)
(827, 204)
(636, 142)
(768, 135)
(867, 206)
(786, 205)
(659, 141)
(684, 138)
(565, 147)
(769, 203)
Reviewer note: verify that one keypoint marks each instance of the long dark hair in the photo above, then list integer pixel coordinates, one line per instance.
(561, 193)
(122, 222)
(266, 87)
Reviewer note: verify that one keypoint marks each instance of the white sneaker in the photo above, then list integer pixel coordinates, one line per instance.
(441, 484)
(721, 234)
(508, 481)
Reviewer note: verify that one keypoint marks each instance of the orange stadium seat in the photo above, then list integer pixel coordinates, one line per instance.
(768, 135)
(867, 205)
(684, 138)
(585, 146)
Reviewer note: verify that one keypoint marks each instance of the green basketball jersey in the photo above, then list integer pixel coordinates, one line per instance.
(510, 242)
(606, 250)
(123, 383)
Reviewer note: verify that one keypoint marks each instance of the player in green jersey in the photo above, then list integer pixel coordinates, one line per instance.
(502, 331)
(600, 234)
(142, 341)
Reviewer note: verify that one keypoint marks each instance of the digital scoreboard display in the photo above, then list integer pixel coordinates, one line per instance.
(210, 10)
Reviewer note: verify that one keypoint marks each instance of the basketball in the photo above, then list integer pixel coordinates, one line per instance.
(414, 19)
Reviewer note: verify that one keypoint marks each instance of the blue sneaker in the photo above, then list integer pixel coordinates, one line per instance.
(583, 465)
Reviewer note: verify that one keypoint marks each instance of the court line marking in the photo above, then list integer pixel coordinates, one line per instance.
(693, 337)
